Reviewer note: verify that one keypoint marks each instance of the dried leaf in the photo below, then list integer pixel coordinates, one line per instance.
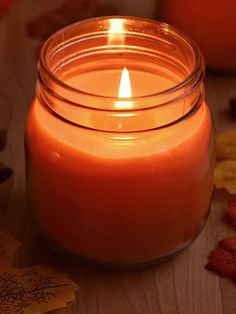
(34, 290)
(226, 145)
(225, 175)
(8, 247)
(223, 258)
(37, 289)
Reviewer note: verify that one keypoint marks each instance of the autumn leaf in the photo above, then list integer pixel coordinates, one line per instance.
(34, 290)
(37, 289)
(226, 145)
(225, 175)
(222, 259)
(225, 170)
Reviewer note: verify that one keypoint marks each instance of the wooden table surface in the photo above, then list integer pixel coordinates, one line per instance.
(181, 286)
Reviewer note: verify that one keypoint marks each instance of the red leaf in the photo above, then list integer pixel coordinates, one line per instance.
(223, 258)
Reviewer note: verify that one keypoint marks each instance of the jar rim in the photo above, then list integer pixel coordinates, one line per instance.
(162, 27)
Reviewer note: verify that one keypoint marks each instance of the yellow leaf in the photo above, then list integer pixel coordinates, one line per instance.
(226, 145)
(32, 290)
(35, 290)
(225, 175)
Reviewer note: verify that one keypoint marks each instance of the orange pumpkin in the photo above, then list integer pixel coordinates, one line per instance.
(211, 23)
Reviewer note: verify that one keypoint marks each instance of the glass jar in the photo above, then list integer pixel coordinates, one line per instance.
(124, 181)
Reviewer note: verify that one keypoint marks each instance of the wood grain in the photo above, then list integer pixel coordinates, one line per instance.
(181, 286)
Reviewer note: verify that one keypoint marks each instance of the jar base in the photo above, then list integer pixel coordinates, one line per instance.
(76, 258)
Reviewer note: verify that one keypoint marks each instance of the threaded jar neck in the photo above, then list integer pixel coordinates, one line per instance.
(80, 66)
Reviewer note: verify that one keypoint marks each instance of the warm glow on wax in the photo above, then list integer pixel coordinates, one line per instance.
(125, 90)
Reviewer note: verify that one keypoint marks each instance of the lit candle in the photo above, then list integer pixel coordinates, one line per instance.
(123, 180)
(125, 90)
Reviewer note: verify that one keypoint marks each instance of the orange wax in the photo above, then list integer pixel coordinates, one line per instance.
(119, 200)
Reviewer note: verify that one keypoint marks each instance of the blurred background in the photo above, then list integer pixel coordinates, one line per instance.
(210, 23)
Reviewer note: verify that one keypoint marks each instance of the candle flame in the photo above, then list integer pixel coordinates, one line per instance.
(125, 85)
(125, 90)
